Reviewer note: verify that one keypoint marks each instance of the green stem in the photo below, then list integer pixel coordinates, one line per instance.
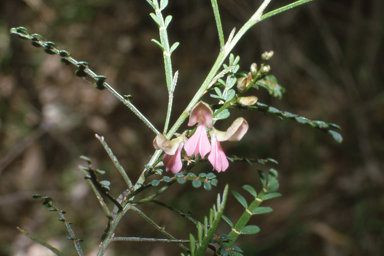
(170, 101)
(157, 227)
(235, 233)
(216, 12)
(141, 239)
(121, 98)
(216, 66)
(97, 193)
(283, 9)
(46, 245)
(250, 23)
(115, 161)
(115, 222)
(166, 49)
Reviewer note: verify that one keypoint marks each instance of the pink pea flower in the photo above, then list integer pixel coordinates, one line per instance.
(198, 143)
(173, 162)
(217, 156)
(172, 149)
(235, 132)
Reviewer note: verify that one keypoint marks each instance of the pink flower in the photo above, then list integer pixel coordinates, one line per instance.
(235, 132)
(198, 143)
(173, 162)
(217, 156)
(172, 151)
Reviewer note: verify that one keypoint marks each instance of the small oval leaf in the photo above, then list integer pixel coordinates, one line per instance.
(155, 183)
(105, 183)
(167, 179)
(336, 136)
(196, 183)
(229, 222)
(270, 196)
(251, 190)
(231, 94)
(223, 114)
(262, 210)
(181, 180)
(207, 186)
(174, 46)
(250, 230)
(240, 198)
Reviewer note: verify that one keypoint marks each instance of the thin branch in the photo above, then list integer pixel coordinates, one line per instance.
(97, 194)
(91, 175)
(170, 101)
(157, 227)
(114, 160)
(46, 245)
(216, 12)
(141, 239)
(176, 211)
(50, 47)
(283, 9)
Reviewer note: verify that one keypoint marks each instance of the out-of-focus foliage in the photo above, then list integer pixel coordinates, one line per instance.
(328, 57)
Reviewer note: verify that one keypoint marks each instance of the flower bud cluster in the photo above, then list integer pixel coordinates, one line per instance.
(267, 55)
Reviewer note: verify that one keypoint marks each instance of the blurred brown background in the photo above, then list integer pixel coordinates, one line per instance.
(328, 55)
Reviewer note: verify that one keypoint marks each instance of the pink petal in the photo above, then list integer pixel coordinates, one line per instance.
(198, 143)
(217, 156)
(201, 113)
(173, 162)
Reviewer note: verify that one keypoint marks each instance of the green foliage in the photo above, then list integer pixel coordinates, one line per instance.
(208, 179)
(48, 203)
(207, 231)
(227, 96)
(270, 83)
(326, 127)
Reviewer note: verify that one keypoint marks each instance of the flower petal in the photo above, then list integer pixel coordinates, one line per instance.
(237, 130)
(202, 114)
(198, 143)
(217, 156)
(173, 162)
(168, 146)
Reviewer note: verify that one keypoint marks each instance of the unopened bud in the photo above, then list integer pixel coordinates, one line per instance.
(247, 101)
(265, 70)
(254, 69)
(267, 55)
(242, 83)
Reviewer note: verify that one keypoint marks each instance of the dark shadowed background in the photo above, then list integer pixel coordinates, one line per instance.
(328, 55)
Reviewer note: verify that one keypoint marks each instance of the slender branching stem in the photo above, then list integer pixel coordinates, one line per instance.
(111, 232)
(46, 245)
(97, 194)
(157, 227)
(166, 49)
(240, 224)
(216, 12)
(141, 239)
(283, 9)
(170, 101)
(115, 161)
